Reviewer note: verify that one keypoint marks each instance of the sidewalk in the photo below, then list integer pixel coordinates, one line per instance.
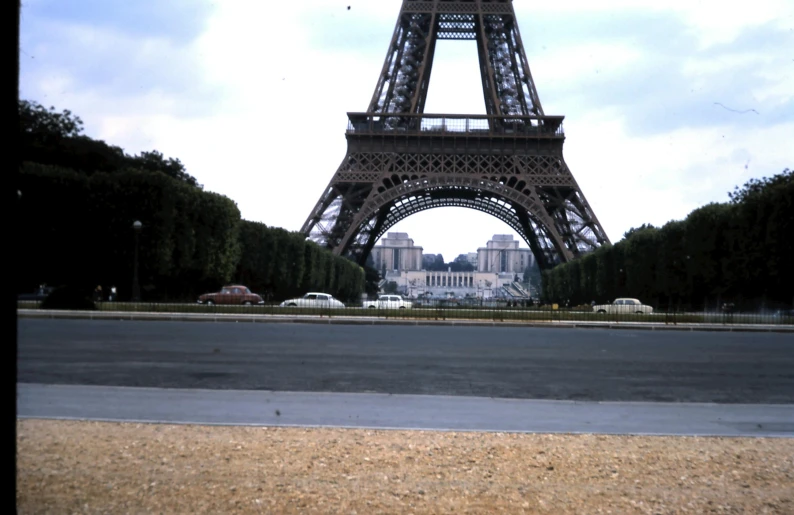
(386, 411)
(362, 320)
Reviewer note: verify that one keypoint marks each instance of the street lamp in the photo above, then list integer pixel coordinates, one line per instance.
(136, 289)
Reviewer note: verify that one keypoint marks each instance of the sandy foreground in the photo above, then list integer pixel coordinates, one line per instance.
(93, 467)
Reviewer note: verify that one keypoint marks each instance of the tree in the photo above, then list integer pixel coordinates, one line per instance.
(155, 162)
(372, 278)
(427, 261)
(755, 187)
(633, 230)
(39, 123)
(461, 264)
(390, 287)
(532, 275)
(52, 138)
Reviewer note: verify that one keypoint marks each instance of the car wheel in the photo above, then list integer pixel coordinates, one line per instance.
(602, 311)
(638, 313)
(402, 307)
(210, 303)
(292, 305)
(247, 303)
(372, 307)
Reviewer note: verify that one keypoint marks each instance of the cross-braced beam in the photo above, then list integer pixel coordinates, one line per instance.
(507, 163)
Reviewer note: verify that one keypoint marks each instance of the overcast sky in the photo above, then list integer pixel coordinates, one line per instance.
(668, 105)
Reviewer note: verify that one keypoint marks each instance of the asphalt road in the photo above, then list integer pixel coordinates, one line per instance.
(530, 363)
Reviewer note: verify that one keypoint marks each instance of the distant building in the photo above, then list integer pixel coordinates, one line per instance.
(502, 255)
(397, 252)
(496, 266)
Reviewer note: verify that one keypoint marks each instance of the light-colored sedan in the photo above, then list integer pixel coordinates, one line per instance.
(388, 302)
(624, 306)
(313, 300)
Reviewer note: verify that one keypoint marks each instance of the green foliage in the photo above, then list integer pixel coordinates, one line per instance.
(371, 278)
(155, 162)
(437, 264)
(39, 123)
(280, 264)
(738, 251)
(461, 264)
(188, 242)
(390, 287)
(52, 138)
(755, 187)
(79, 200)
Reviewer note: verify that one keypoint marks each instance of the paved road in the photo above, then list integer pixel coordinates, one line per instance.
(534, 363)
(383, 411)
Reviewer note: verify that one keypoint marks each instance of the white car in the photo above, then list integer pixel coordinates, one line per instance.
(313, 300)
(624, 306)
(388, 302)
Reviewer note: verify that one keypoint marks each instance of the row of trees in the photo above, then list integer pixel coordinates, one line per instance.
(78, 230)
(283, 264)
(52, 138)
(737, 252)
(78, 198)
(435, 263)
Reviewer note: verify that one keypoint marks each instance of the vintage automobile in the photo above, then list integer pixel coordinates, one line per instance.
(232, 294)
(313, 300)
(623, 306)
(388, 302)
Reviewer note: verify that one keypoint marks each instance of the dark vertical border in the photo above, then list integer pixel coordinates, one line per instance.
(11, 117)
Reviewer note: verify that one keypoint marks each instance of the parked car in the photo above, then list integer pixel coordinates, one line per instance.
(313, 300)
(623, 306)
(232, 294)
(388, 302)
(41, 293)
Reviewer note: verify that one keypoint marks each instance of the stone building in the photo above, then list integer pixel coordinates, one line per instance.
(496, 266)
(397, 252)
(501, 255)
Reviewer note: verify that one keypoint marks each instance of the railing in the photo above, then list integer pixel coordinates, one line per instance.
(455, 125)
(468, 309)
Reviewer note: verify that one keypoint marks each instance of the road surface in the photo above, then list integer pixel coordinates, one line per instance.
(527, 363)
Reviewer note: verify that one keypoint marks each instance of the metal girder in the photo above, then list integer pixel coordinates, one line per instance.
(507, 163)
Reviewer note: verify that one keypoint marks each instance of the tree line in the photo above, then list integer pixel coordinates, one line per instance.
(738, 252)
(78, 198)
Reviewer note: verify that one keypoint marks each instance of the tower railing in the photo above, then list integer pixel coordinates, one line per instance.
(456, 125)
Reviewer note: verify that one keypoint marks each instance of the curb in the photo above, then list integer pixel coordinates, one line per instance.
(269, 319)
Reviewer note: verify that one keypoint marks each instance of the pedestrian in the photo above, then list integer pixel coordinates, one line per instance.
(98, 293)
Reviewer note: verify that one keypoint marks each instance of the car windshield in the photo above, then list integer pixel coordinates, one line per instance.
(226, 290)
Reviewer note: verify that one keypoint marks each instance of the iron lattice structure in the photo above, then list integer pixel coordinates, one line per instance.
(507, 163)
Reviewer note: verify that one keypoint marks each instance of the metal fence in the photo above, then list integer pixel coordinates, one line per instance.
(459, 309)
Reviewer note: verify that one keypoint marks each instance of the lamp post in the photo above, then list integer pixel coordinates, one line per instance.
(136, 289)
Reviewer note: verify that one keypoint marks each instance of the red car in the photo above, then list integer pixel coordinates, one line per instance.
(232, 294)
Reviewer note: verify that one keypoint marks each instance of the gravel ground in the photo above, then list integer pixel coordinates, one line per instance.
(93, 467)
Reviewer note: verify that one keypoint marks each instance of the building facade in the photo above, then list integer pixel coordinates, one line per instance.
(397, 252)
(502, 255)
(496, 267)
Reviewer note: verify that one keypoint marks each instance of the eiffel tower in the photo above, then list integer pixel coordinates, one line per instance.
(507, 163)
